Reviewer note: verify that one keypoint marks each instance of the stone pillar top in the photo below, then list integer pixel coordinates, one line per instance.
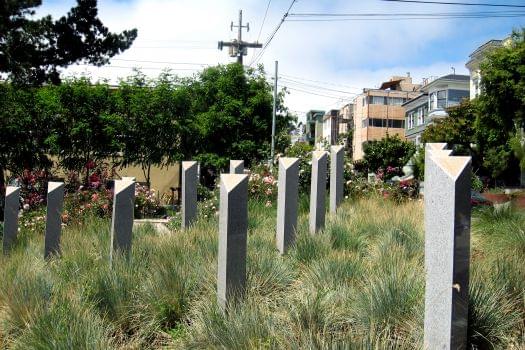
(231, 180)
(188, 164)
(435, 146)
(453, 166)
(51, 186)
(319, 154)
(337, 148)
(288, 161)
(11, 189)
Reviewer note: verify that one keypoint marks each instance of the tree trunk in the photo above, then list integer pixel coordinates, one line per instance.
(148, 177)
(2, 178)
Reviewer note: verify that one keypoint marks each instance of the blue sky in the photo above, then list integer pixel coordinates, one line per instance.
(343, 56)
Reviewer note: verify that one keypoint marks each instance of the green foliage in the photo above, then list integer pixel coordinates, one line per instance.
(153, 117)
(83, 122)
(33, 50)
(390, 151)
(357, 284)
(224, 112)
(232, 111)
(501, 104)
(457, 130)
(303, 151)
(517, 145)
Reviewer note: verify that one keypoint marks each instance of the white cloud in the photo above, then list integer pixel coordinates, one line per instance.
(346, 53)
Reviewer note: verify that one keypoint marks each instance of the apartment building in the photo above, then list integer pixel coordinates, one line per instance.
(475, 58)
(314, 126)
(380, 112)
(346, 118)
(435, 97)
(331, 121)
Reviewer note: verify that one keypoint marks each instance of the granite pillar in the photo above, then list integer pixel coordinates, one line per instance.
(236, 166)
(318, 191)
(287, 203)
(122, 219)
(189, 193)
(233, 230)
(447, 248)
(11, 209)
(337, 155)
(55, 202)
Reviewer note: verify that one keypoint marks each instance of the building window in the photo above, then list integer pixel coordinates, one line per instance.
(442, 99)
(455, 96)
(420, 117)
(376, 100)
(396, 101)
(364, 101)
(410, 120)
(438, 99)
(383, 123)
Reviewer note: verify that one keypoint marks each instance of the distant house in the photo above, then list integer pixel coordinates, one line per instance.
(379, 112)
(475, 59)
(314, 126)
(331, 121)
(435, 97)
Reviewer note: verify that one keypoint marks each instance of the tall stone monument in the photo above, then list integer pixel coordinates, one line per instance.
(236, 166)
(55, 202)
(447, 247)
(287, 202)
(337, 158)
(189, 193)
(122, 219)
(233, 231)
(318, 191)
(11, 209)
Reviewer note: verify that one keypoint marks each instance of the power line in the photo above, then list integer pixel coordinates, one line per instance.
(314, 93)
(372, 14)
(455, 3)
(320, 81)
(161, 62)
(317, 86)
(400, 18)
(270, 38)
(332, 17)
(264, 19)
(128, 67)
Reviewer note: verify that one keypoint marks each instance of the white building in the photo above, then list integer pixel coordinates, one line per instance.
(474, 62)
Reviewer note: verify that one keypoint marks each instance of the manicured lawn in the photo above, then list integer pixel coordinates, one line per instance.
(358, 284)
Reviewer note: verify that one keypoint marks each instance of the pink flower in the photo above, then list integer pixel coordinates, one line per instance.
(94, 197)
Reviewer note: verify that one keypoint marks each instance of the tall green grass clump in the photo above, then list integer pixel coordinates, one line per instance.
(358, 283)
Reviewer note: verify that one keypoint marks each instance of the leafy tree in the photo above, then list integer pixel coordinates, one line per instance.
(23, 131)
(155, 121)
(233, 115)
(502, 106)
(33, 50)
(390, 151)
(84, 121)
(457, 130)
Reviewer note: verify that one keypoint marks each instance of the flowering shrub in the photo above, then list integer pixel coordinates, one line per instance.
(262, 185)
(398, 192)
(33, 187)
(32, 220)
(303, 151)
(147, 203)
(87, 202)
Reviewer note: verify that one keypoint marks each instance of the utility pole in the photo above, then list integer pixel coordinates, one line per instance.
(237, 47)
(274, 113)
